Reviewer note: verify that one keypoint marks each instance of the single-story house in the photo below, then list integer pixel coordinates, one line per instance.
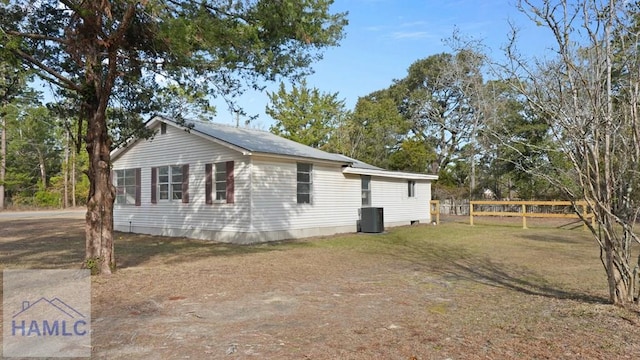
(231, 184)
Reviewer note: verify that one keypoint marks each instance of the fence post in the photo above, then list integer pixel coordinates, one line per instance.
(524, 216)
(435, 210)
(470, 212)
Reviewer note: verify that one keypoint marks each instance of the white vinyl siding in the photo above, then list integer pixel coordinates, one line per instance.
(336, 198)
(175, 217)
(391, 195)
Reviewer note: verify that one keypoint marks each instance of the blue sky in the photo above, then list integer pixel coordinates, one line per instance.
(384, 37)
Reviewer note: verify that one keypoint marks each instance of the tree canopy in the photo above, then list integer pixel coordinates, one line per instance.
(122, 54)
(305, 115)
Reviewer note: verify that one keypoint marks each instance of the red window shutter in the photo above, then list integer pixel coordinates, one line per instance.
(185, 183)
(154, 185)
(208, 183)
(230, 185)
(138, 201)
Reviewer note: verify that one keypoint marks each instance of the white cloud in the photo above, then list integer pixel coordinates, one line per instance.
(410, 35)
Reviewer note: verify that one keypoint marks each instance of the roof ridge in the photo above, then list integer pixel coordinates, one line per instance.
(215, 123)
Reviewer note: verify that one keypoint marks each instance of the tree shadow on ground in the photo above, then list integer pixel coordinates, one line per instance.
(60, 244)
(456, 262)
(549, 238)
(42, 243)
(491, 273)
(139, 249)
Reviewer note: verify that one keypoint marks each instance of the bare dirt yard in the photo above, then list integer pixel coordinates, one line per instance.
(450, 291)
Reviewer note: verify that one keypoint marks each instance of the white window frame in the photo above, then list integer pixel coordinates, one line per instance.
(366, 191)
(411, 188)
(125, 183)
(168, 188)
(219, 188)
(304, 183)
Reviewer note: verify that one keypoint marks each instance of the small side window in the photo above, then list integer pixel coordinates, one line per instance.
(366, 190)
(304, 183)
(163, 128)
(411, 188)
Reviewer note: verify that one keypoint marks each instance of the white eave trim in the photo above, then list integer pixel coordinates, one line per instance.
(389, 174)
(305, 159)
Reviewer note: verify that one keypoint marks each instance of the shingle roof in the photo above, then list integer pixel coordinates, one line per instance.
(258, 141)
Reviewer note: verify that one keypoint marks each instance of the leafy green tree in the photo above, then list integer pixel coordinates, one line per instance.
(33, 155)
(375, 130)
(437, 98)
(412, 155)
(13, 79)
(514, 139)
(74, 183)
(121, 53)
(305, 115)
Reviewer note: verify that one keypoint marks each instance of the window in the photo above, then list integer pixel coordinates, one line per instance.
(127, 183)
(170, 183)
(411, 187)
(220, 179)
(366, 190)
(163, 128)
(304, 183)
(219, 182)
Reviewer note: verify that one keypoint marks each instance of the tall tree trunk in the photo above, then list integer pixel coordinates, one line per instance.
(73, 178)
(619, 275)
(3, 159)
(66, 172)
(99, 255)
(472, 182)
(43, 168)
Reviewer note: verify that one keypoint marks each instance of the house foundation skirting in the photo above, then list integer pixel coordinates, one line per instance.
(247, 237)
(236, 237)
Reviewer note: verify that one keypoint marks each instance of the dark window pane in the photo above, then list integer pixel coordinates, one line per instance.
(304, 188)
(221, 186)
(304, 177)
